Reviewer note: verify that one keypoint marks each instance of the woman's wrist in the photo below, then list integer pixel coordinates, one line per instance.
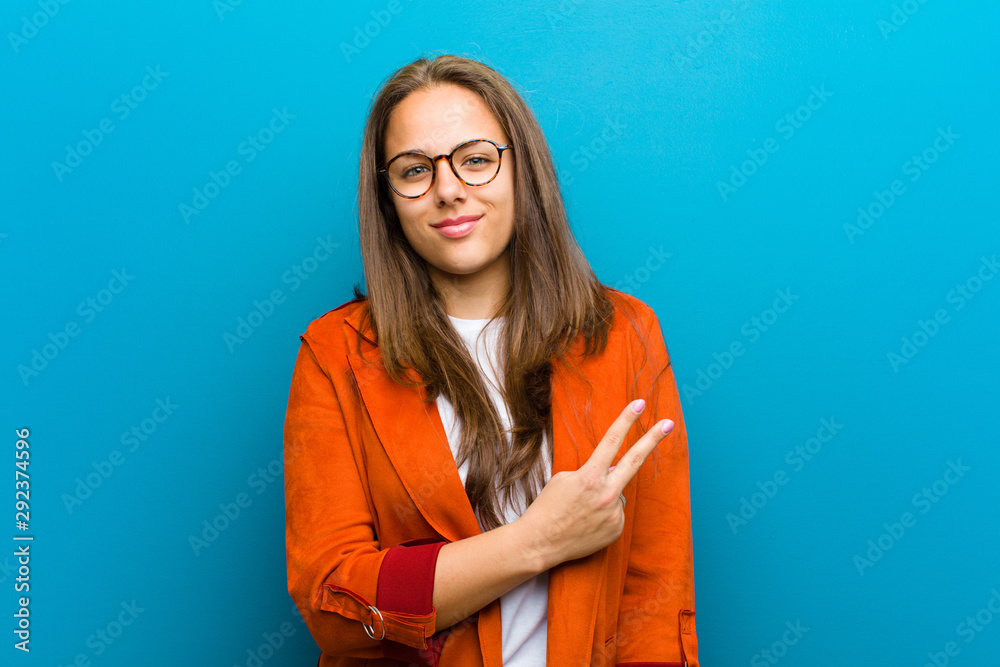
(535, 544)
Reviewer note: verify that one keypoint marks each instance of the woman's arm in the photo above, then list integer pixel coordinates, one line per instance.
(334, 556)
(576, 514)
(473, 572)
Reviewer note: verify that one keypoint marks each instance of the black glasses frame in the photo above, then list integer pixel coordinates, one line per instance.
(434, 160)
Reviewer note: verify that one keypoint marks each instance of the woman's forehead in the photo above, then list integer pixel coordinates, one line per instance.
(435, 120)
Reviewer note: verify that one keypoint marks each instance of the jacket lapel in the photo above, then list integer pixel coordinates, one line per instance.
(413, 436)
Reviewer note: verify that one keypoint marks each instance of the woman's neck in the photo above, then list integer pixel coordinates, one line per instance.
(473, 296)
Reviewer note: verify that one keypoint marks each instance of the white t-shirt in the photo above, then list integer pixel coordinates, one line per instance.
(523, 610)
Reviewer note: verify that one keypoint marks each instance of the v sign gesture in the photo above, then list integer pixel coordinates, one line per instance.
(579, 512)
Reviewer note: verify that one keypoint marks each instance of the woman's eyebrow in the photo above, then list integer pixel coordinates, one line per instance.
(428, 153)
(390, 156)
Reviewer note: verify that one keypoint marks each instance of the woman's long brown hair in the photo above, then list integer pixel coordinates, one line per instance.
(553, 297)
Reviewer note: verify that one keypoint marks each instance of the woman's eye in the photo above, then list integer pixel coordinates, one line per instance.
(414, 171)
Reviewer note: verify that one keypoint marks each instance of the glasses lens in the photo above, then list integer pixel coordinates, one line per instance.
(477, 162)
(411, 174)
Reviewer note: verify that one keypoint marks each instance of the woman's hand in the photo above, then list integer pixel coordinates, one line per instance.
(576, 514)
(580, 512)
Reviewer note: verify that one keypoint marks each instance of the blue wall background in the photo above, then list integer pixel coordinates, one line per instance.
(838, 372)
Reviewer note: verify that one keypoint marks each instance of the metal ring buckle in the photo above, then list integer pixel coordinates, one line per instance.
(370, 629)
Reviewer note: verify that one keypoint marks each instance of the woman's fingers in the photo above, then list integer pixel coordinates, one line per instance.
(578, 511)
(629, 464)
(609, 445)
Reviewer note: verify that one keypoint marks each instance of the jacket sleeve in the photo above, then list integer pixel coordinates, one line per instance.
(656, 617)
(357, 598)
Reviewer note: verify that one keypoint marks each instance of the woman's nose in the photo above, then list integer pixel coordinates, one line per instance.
(446, 183)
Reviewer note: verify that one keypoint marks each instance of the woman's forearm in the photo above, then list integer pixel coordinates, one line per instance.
(473, 572)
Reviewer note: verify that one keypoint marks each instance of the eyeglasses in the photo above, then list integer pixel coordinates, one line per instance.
(477, 162)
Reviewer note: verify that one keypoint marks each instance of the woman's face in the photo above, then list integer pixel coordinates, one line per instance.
(434, 122)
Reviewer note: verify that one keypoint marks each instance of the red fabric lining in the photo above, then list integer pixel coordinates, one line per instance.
(406, 585)
(406, 578)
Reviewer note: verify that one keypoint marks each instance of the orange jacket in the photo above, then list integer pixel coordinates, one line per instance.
(372, 492)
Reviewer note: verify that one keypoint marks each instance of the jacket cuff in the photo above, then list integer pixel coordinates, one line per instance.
(406, 578)
(406, 586)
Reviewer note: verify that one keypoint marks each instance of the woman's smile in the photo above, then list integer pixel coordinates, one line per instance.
(456, 228)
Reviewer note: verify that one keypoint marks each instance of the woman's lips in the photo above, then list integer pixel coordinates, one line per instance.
(459, 230)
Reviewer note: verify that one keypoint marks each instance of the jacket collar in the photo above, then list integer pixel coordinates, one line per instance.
(402, 416)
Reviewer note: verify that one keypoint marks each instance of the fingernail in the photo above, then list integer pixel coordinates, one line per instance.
(611, 468)
(638, 406)
(668, 426)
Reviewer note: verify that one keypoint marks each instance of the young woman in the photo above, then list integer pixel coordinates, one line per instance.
(465, 480)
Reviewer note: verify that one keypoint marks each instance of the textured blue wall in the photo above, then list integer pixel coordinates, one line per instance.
(805, 192)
